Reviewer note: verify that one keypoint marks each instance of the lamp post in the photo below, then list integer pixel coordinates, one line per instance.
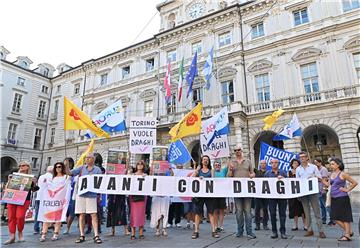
(319, 145)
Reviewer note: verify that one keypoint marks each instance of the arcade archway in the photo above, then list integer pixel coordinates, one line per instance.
(267, 137)
(320, 141)
(8, 164)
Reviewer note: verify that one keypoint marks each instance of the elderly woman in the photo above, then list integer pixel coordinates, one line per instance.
(16, 213)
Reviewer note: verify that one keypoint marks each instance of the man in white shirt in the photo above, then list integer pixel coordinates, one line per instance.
(42, 179)
(308, 170)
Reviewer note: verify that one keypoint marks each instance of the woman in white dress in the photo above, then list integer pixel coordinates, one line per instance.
(160, 208)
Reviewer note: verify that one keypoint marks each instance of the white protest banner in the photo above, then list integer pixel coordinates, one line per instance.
(196, 187)
(54, 200)
(142, 134)
(219, 147)
(182, 173)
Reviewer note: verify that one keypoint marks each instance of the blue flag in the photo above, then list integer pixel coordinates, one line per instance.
(178, 153)
(191, 74)
(208, 67)
(268, 152)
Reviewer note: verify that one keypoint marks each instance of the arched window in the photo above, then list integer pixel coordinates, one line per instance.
(171, 20)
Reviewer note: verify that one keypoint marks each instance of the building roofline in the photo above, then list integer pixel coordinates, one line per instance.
(155, 36)
(27, 70)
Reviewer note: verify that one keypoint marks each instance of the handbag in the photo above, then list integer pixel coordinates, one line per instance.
(138, 198)
(328, 198)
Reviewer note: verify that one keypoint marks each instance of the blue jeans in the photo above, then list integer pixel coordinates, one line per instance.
(243, 207)
(282, 204)
(322, 201)
(36, 222)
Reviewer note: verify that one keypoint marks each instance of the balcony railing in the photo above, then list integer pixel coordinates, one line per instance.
(307, 99)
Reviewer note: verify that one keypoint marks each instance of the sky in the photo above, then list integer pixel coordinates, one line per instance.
(74, 31)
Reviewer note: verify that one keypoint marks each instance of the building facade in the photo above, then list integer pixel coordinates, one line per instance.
(25, 99)
(301, 56)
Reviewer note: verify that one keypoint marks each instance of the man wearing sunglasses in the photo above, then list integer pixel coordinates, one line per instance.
(242, 167)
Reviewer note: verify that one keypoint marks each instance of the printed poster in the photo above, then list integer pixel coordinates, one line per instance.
(116, 162)
(17, 188)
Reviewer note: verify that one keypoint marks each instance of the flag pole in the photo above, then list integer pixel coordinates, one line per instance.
(65, 143)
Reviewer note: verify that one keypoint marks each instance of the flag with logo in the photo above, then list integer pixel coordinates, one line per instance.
(290, 130)
(75, 119)
(271, 119)
(181, 78)
(178, 153)
(54, 200)
(167, 83)
(190, 124)
(208, 67)
(215, 126)
(111, 119)
(89, 149)
(191, 74)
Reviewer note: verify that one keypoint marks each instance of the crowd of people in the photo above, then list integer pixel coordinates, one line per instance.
(331, 204)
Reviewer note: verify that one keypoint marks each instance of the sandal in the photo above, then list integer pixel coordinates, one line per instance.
(80, 239)
(55, 236)
(344, 238)
(164, 233)
(157, 234)
(42, 237)
(195, 235)
(10, 241)
(141, 237)
(215, 235)
(132, 237)
(97, 240)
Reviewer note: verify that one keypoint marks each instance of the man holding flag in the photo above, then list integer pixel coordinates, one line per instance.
(87, 203)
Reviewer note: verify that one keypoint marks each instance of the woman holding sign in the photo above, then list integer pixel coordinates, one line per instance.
(204, 171)
(16, 213)
(59, 181)
(138, 206)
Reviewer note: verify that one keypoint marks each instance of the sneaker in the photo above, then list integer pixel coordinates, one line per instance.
(257, 228)
(66, 232)
(251, 236)
(188, 225)
(217, 229)
(36, 232)
(169, 226)
(178, 225)
(239, 235)
(222, 229)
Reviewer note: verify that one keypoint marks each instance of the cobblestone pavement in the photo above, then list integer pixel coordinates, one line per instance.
(180, 237)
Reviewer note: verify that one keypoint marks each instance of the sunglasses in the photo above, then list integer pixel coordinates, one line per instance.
(58, 167)
(22, 165)
(238, 150)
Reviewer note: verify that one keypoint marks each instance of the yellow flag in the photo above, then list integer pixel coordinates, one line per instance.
(271, 119)
(89, 149)
(190, 124)
(75, 119)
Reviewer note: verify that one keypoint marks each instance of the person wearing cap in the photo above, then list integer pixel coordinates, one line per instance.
(242, 167)
(87, 203)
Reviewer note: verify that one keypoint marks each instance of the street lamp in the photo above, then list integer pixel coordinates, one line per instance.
(319, 145)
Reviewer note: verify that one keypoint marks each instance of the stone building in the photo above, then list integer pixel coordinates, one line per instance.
(301, 56)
